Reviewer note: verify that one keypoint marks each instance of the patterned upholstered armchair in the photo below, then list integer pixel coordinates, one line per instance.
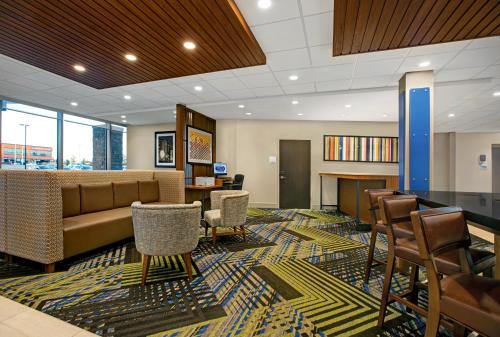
(228, 209)
(166, 230)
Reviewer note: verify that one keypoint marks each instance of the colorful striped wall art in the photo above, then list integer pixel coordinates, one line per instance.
(360, 149)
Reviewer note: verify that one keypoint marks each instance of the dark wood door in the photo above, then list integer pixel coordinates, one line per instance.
(495, 168)
(295, 173)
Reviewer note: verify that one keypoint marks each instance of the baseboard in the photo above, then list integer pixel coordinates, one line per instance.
(262, 205)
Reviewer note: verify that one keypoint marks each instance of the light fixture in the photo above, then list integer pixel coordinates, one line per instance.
(124, 121)
(127, 97)
(241, 106)
(300, 114)
(189, 45)
(424, 64)
(248, 113)
(198, 88)
(79, 67)
(497, 93)
(264, 4)
(295, 102)
(123, 116)
(131, 57)
(451, 115)
(384, 115)
(348, 106)
(74, 103)
(293, 77)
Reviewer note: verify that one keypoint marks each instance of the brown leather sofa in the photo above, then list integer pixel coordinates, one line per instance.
(47, 216)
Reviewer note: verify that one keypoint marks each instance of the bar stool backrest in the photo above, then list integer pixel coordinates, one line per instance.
(372, 196)
(395, 209)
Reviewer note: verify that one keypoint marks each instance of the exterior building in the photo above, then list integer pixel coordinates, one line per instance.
(15, 153)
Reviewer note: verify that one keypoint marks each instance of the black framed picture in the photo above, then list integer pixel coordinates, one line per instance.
(199, 146)
(165, 149)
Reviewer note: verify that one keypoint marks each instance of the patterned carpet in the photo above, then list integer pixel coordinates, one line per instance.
(299, 274)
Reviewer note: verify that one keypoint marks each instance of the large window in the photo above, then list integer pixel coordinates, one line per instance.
(29, 137)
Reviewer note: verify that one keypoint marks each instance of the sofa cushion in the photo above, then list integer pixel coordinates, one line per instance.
(93, 230)
(125, 193)
(70, 200)
(149, 191)
(96, 197)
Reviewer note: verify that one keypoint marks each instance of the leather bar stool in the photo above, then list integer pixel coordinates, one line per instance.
(466, 299)
(396, 210)
(378, 226)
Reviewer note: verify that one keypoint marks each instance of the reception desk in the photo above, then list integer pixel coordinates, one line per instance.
(350, 187)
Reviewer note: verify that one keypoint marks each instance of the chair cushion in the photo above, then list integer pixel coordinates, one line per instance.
(401, 230)
(447, 263)
(212, 217)
(473, 300)
(149, 191)
(125, 193)
(93, 230)
(96, 197)
(70, 200)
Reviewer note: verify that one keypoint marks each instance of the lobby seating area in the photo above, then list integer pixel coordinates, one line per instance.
(243, 168)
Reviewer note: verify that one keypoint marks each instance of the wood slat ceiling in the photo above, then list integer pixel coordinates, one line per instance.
(56, 34)
(362, 26)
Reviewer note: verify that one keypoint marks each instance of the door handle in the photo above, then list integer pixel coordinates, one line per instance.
(282, 177)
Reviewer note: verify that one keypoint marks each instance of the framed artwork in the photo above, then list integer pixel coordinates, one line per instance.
(360, 149)
(199, 146)
(165, 149)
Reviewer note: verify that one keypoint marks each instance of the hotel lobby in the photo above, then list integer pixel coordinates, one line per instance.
(250, 168)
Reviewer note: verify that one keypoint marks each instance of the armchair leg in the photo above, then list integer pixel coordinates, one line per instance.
(371, 252)
(50, 268)
(243, 233)
(412, 287)
(214, 235)
(206, 228)
(145, 269)
(188, 264)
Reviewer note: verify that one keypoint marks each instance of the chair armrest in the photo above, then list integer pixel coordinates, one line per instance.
(233, 211)
(215, 198)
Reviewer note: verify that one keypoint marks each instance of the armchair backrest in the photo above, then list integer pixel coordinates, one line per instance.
(166, 229)
(233, 208)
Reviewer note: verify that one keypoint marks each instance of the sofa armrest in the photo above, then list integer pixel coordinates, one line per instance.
(34, 216)
(171, 185)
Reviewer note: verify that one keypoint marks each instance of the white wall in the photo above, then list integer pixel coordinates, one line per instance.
(141, 143)
(245, 145)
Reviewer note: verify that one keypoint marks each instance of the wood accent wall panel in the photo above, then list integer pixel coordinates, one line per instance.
(185, 117)
(56, 34)
(362, 26)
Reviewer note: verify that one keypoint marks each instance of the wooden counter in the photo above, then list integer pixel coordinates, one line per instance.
(350, 188)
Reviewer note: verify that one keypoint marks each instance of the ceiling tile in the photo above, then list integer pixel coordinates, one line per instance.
(28, 83)
(457, 74)
(341, 71)
(305, 76)
(189, 99)
(270, 91)
(475, 58)
(52, 79)
(488, 42)
(491, 71)
(227, 84)
(439, 48)
(240, 93)
(251, 70)
(289, 59)
(282, 35)
(217, 75)
(259, 80)
(280, 10)
(171, 91)
(211, 96)
(189, 87)
(310, 7)
(437, 61)
(333, 85)
(383, 55)
(377, 68)
(322, 56)
(319, 29)
(10, 65)
(299, 88)
(370, 82)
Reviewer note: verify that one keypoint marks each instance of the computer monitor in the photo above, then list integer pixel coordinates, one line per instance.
(220, 169)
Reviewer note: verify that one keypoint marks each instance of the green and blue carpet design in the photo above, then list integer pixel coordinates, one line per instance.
(299, 274)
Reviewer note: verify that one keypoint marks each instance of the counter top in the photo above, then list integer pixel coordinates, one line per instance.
(354, 175)
(480, 208)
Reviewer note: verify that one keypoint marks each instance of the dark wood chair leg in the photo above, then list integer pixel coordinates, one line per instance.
(214, 235)
(389, 270)
(188, 264)
(50, 268)
(8, 258)
(371, 251)
(412, 286)
(145, 269)
(206, 228)
(243, 233)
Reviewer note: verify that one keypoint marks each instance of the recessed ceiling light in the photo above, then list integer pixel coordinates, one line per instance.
(295, 102)
(248, 113)
(451, 115)
(175, 112)
(496, 93)
(264, 4)
(124, 121)
(131, 57)
(74, 103)
(241, 106)
(384, 115)
(127, 97)
(424, 64)
(198, 88)
(348, 106)
(123, 116)
(79, 67)
(293, 77)
(300, 114)
(189, 45)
